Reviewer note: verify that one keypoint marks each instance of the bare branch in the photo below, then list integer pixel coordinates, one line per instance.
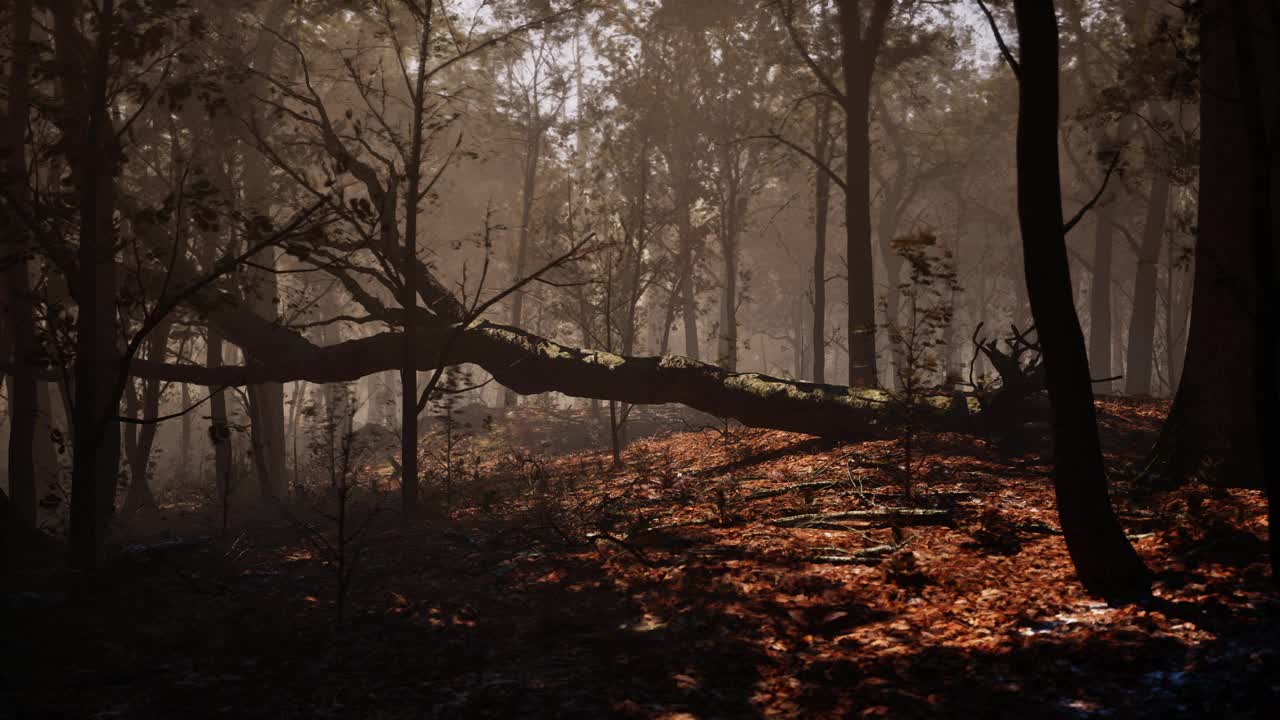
(1115, 161)
(839, 181)
(170, 416)
(1004, 49)
(788, 19)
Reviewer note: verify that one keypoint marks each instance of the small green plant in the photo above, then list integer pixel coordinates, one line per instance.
(918, 336)
(336, 453)
(447, 411)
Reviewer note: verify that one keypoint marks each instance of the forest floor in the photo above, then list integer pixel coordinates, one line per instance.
(681, 585)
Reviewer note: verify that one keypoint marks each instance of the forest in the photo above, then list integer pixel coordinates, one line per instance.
(639, 358)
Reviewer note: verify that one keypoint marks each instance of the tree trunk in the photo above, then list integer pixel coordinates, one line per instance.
(858, 56)
(1211, 430)
(219, 429)
(1104, 560)
(953, 372)
(46, 456)
(728, 350)
(533, 154)
(1175, 322)
(96, 434)
(1100, 303)
(1142, 323)
(184, 442)
(633, 254)
(18, 312)
(887, 228)
(409, 503)
(821, 209)
(267, 430)
(409, 403)
(139, 439)
(861, 289)
(798, 340)
(1258, 110)
(688, 289)
(139, 494)
(531, 364)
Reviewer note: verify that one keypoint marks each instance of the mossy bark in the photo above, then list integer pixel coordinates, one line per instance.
(530, 364)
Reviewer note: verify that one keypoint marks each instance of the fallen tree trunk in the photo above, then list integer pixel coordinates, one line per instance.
(903, 516)
(530, 364)
(524, 362)
(838, 556)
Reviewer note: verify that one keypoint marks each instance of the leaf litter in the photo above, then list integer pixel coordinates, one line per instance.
(668, 588)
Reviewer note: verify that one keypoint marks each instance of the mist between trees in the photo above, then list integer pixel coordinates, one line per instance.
(848, 218)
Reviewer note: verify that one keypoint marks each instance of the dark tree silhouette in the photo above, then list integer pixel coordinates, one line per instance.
(1211, 432)
(1104, 560)
(1262, 243)
(96, 450)
(17, 315)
